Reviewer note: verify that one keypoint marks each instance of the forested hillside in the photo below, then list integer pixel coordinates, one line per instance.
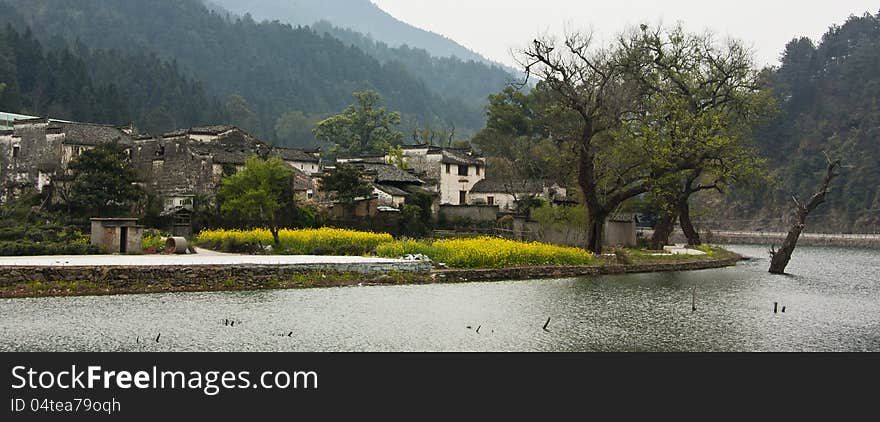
(260, 71)
(449, 77)
(829, 99)
(99, 86)
(359, 15)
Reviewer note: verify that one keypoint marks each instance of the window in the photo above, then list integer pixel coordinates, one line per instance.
(447, 169)
(490, 199)
(462, 196)
(462, 170)
(478, 170)
(15, 151)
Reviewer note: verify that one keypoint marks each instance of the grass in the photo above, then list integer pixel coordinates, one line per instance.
(645, 256)
(488, 252)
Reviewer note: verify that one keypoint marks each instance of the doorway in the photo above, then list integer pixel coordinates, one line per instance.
(123, 239)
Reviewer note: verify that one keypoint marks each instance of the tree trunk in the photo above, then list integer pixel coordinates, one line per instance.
(779, 258)
(662, 230)
(596, 224)
(275, 236)
(687, 226)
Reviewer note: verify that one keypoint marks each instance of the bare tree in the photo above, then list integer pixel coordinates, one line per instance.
(779, 258)
(595, 99)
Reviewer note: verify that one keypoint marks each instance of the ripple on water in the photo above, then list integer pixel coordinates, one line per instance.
(832, 304)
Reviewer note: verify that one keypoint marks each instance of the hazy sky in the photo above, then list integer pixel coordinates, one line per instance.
(493, 27)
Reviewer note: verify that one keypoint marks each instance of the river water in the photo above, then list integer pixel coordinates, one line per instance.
(832, 303)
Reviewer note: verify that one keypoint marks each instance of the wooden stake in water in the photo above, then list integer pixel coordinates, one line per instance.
(546, 324)
(775, 307)
(694, 299)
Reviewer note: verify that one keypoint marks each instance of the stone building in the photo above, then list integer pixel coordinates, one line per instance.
(186, 163)
(177, 166)
(117, 235)
(450, 173)
(505, 193)
(37, 150)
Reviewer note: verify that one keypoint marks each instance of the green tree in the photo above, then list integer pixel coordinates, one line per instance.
(363, 128)
(589, 101)
(159, 120)
(517, 139)
(704, 99)
(240, 113)
(260, 195)
(646, 108)
(294, 129)
(396, 157)
(348, 182)
(102, 183)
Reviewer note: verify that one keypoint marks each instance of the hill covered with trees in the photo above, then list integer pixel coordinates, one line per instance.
(99, 86)
(359, 15)
(828, 94)
(259, 71)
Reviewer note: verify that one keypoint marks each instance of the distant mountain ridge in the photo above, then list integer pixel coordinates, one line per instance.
(262, 71)
(359, 15)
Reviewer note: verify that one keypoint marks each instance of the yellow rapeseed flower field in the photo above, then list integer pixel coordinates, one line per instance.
(480, 252)
(321, 241)
(488, 252)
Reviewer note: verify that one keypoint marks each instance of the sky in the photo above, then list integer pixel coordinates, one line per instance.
(494, 27)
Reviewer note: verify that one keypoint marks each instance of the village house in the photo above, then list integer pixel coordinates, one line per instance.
(188, 162)
(306, 161)
(390, 184)
(506, 193)
(448, 172)
(37, 150)
(177, 166)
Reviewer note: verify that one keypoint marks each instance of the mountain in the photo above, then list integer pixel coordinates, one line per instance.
(359, 15)
(828, 98)
(448, 77)
(99, 86)
(260, 70)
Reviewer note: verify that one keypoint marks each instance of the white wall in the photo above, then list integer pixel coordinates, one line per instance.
(504, 201)
(305, 167)
(451, 183)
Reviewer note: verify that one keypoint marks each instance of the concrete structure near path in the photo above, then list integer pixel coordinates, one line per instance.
(118, 235)
(620, 230)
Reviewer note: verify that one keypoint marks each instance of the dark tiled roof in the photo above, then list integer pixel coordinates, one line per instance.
(417, 146)
(302, 181)
(33, 120)
(508, 186)
(388, 173)
(391, 190)
(460, 158)
(233, 148)
(89, 134)
(290, 154)
(203, 130)
(211, 130)
(624, 217)
(372, 159)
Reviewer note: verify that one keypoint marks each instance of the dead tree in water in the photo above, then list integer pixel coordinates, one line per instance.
(779, 258)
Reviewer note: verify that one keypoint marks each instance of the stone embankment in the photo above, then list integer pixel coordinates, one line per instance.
(65, 279)
(527, 273)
